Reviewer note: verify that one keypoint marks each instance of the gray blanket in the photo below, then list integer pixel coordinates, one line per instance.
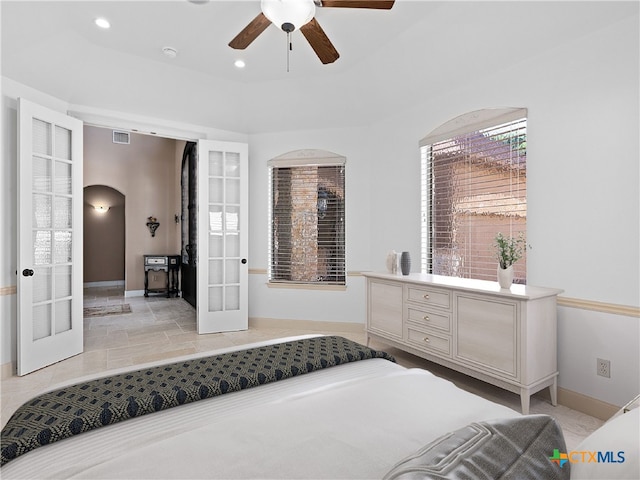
(520, 448)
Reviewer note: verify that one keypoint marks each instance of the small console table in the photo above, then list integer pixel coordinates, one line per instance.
(163, 263)
(503, 337)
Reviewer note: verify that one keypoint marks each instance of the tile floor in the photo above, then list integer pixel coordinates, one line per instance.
(159, 328)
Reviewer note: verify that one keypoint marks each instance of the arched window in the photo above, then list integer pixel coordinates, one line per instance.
(307, 213)
(473, 187)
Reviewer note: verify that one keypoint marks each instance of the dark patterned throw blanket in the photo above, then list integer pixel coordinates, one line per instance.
(85, 406)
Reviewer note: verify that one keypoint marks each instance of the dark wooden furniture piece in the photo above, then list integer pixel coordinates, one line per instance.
(163, 263)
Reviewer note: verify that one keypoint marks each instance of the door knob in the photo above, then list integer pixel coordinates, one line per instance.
(244, 260)
(27, 272)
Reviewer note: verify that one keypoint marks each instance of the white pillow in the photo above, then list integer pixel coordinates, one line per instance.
(618, 438)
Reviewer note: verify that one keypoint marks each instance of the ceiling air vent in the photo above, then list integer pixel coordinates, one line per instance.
(121, 137)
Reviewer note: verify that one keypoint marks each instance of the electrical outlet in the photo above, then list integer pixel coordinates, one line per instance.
(603, 368)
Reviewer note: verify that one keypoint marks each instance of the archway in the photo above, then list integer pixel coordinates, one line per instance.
(104, 236)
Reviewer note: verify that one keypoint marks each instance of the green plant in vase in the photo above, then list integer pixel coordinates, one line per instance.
(508, 251)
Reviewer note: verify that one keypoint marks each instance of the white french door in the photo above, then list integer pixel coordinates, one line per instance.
(50, 198)
(222, 248)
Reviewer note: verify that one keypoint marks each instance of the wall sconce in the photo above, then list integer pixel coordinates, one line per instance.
(153, 225)
(101, 209)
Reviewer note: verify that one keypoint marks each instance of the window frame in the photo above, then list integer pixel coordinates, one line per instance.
(305, 159)
(469, 123)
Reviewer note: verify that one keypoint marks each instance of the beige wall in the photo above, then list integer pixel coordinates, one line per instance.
(104, 238)
(146, 172)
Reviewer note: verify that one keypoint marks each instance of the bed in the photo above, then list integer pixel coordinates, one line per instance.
(366, 418)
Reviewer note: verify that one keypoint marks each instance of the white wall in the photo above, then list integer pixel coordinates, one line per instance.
(334, 306)
(582, 161)
(583, 337)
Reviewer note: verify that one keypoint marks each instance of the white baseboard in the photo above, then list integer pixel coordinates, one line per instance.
(313, 325)
(134, 293)
(7, 370)
(589, 405)
(107, 283)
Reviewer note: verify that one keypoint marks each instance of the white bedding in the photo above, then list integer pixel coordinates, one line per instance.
(350, 421)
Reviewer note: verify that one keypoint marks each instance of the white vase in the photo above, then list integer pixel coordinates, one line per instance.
(505, 276)
(392, 262)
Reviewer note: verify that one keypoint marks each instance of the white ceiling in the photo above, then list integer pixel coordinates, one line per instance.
(387, 58)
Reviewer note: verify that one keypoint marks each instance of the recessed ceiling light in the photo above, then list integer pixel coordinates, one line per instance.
(170, 52)
(239, 63)
(102, 23)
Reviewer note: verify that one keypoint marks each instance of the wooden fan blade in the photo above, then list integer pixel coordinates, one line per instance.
(319, 41)
(250, 32)
(378, 4)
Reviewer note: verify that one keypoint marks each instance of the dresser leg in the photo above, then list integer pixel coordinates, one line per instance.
(553, 391)
(525, 397)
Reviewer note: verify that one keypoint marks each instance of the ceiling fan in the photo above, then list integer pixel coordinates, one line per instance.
(291, 15)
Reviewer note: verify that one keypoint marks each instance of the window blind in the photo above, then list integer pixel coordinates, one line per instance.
(473, 186)
(307, 223)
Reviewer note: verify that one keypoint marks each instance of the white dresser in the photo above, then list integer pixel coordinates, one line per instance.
(505, 337)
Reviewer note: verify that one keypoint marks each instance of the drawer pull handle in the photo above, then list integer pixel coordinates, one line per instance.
(426, 317)
(426, 296)
(426, 339)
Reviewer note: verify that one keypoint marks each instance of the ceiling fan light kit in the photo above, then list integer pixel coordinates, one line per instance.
(287, 13)
(291, 15)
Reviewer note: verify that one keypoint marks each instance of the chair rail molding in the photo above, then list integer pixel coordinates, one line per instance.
(10, 290)
(625, 310)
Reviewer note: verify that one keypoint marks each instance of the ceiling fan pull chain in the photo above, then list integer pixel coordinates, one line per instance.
(288, 49)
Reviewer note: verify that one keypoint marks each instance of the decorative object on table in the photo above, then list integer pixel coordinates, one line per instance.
(508, 251)
(170, 264)
(405, 263)
(153, 225)
(392, 262)
(505, 277)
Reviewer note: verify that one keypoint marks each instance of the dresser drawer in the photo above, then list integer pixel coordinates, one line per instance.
(428, 318)
(440, 344)
(149, 260)
(429, 296)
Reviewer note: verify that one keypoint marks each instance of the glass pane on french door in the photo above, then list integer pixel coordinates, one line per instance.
(224, 231)
(51, 229)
